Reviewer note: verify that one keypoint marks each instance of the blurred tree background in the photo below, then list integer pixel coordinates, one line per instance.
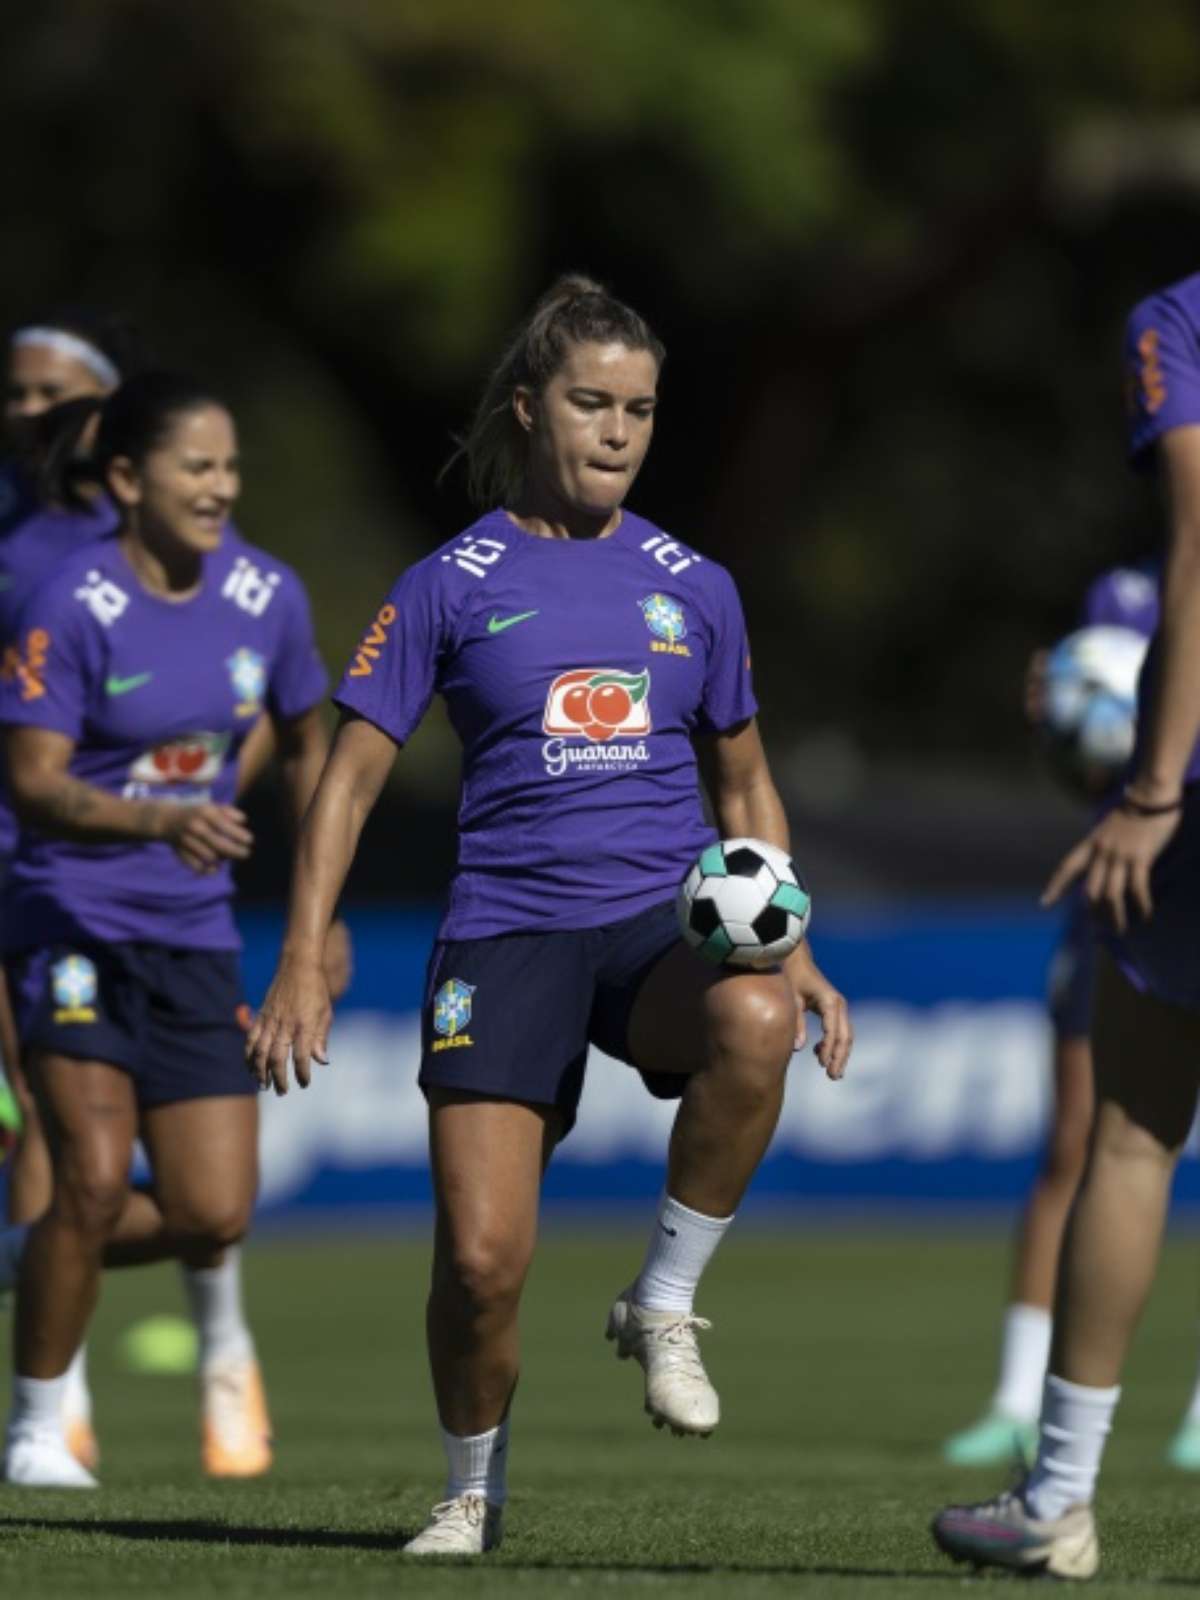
(890, 245)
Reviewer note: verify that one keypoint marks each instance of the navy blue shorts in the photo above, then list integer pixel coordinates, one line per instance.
(1162, 956)
(511, 1017)
(174, 1020)
(1072, 979)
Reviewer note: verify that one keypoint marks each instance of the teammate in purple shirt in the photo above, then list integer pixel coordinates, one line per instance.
(51, 359)
(586, 658)
(1123, 597)
(139, 670)
(1140, 866)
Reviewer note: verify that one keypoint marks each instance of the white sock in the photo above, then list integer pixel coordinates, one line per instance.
(215, 1296)
(478, 1464)
(37, 1405)
(1024, 1352)
(1075, 1423)
(12, 1248)
(77, 1397)
(677, 1254)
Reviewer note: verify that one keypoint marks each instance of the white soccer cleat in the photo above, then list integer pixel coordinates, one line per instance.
(464, 1526)
(41, 1460)
(678, 1393)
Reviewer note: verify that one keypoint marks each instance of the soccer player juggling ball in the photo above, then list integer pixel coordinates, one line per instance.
(582, 713)
(139, 670)
(1140, 867)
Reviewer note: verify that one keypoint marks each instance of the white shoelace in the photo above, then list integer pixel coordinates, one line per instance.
(681, 1350)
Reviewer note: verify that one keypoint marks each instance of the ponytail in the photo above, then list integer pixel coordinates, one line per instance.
(574, 310)
(63, 471)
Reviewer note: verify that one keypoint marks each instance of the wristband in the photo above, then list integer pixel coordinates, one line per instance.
(1139, 808)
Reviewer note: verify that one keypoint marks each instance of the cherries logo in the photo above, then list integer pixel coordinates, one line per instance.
(193, 759)
(596, 704)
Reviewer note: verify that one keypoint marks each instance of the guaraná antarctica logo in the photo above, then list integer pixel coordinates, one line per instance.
(452, 1015)
(73, 984)
(664, 617)
(596, 704)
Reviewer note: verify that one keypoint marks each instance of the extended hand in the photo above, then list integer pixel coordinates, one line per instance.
(294, 1022)
(1114, 860)
(815, 993)
(203, 836)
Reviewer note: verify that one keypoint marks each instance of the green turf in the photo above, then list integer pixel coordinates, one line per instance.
(841, 1362)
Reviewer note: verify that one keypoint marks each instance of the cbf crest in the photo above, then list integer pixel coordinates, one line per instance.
(665, 619)
(73, 984)
(248, 674)
(452, 1015)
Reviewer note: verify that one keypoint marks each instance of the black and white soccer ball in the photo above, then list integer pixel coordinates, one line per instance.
(1089, 710)
(743, 904)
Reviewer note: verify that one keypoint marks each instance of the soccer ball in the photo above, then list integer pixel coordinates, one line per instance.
(743, 904)
(1090, 704)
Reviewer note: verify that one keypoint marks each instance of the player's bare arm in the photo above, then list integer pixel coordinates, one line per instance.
(1116, 857)
(49, 798)
(747, 805)
(302, 745)
(296, 1014)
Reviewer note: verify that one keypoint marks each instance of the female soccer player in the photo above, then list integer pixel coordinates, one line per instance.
(139, 669)
(1124, 597)
(60, 356)
(1141, 866)
(577, 703)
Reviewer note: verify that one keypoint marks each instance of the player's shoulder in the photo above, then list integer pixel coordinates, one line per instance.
(250, 577)
(1174, 304)
(676, 563)
(92, 580)
(462, 565)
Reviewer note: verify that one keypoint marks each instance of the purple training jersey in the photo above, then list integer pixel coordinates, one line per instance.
(575, 673)
(158, 696)
(34, 540)
(1162, 356)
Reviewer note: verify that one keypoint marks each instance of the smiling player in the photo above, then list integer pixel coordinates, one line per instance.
(138, 672)
(586, 658)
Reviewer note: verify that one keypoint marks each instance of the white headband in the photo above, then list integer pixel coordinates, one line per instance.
(74, 348)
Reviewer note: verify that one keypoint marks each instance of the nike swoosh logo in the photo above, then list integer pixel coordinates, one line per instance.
(674, 1232)
(124, 685)
(498, 624)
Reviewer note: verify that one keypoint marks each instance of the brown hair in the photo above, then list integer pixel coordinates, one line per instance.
(574, 310)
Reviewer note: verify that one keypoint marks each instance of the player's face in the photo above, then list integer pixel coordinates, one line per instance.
(38, 378)
(590, 427)
(184, 489)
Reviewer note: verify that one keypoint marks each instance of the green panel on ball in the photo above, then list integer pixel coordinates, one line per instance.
(791, 898)
(716, 947)
(712, 862)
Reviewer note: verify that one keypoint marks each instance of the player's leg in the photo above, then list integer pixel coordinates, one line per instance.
(1147, 1061)
(89, 1112)
(204, 1157)
(1010, 1424)
(721, 1040)
(487, 1158)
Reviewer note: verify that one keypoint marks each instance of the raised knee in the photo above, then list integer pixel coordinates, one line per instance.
(488, 1271)
(755, 1028)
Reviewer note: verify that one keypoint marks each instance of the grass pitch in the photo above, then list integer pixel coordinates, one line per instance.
(841, 1361)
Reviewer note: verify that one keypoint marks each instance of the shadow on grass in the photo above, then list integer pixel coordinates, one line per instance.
(199, 1531)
